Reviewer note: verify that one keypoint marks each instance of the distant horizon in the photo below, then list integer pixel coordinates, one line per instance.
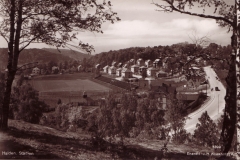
(51, 47)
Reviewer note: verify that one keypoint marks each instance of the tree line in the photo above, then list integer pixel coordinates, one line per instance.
(218, 53)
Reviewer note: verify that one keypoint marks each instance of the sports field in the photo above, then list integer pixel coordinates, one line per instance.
(68, 85)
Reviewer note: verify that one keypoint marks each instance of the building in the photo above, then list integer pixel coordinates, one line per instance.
(79, 68)
(119, 65)
(126, 73)
(98, 66)
(148, 63)
(114, 64)
(105, 69)
(151, 72)
(140, 62)
(55, 69)
(161, 74)
(126, 65)
(36, 71)
(112, 70)
(134, 68)
(157, 63)
(119, 72)
(143, 70)
(187, 96)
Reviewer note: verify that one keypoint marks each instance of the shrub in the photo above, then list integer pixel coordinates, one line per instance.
(206, 132)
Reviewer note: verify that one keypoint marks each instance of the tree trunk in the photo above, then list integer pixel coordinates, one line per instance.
(229, 122)
(6, 101)
(11, 72)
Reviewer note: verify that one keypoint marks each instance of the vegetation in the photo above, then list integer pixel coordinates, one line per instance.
(52, 22)
(206, 133)
(175, 116)
(225, 16)
(25, 104)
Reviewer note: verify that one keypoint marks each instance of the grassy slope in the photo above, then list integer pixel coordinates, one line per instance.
(49, 143)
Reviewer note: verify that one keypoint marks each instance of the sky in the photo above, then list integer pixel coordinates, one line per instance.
(141, 26)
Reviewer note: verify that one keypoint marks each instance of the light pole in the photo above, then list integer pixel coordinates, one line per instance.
(218, 103)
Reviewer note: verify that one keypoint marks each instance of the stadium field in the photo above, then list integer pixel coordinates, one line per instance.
(67, 85)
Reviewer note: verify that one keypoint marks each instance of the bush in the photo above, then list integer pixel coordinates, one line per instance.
(25, 104)
(206, 132)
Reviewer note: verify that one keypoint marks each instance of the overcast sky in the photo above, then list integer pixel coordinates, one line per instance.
(141, 26)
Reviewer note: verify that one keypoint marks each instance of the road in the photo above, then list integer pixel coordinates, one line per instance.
(215, 104)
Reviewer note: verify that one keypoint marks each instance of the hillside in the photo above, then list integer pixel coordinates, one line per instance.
(70, 53)
(32, 55)
(176, 50)
(40, 142)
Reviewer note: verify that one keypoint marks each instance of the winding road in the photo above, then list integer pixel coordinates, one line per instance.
(214, 104)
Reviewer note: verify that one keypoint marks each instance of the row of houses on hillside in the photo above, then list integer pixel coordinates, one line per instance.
(54, 70)
(128, 72)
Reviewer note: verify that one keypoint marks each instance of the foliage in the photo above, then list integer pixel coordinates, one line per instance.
(225, 16)
(53, 22)
(25, 104)
(206, 132)
(128, 117)
(181, 51)
(175, 116)
(66, 117)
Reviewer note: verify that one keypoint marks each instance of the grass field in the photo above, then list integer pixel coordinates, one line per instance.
(67, 85)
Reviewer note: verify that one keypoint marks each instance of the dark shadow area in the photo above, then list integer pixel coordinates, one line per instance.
(98, 145)
(13, 150)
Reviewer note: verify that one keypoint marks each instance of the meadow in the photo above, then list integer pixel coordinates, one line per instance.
(67, 87)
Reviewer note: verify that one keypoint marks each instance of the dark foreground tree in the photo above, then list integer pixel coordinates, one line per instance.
(206, 132)
(175, 115)
(53, 22)
(225, 16)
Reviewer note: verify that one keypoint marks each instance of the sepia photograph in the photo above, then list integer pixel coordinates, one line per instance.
(120, 79)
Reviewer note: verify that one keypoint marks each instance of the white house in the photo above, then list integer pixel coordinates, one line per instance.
(55, 69)
(105, 69)
(79, 68)
(151, 72)
(119, 72)
(36, 71)
(140, 62)
(114, 63)
(112, 70)
(134, 68)
(148, 63)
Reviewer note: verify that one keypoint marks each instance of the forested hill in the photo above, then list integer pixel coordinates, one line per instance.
(123, 55)
(175, 50)
(33, 55)
(70, 53)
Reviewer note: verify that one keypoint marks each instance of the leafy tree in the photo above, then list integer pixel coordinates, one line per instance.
(206, 132)
(53, 22)
(149, 119)
(175, 116)
(225, 16)
(25, 104)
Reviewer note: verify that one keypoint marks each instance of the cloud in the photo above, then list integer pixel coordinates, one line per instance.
(175, 27)
(150, 33)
